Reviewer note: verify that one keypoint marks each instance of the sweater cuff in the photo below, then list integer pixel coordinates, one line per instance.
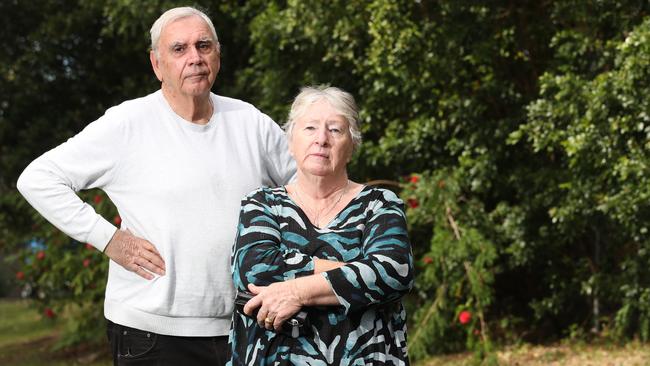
(101, 233)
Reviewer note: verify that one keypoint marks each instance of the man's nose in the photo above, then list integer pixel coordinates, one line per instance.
(194, 56)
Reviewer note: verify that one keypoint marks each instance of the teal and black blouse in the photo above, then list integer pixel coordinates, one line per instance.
(276, 242)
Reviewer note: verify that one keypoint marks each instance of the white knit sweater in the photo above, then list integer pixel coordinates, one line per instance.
(176, 184)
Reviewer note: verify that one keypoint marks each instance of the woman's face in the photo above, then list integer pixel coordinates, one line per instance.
(320, 141)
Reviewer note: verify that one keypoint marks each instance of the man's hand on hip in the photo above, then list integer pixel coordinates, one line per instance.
(135, 254)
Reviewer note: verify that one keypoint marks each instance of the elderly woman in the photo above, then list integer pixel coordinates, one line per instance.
(324, 245)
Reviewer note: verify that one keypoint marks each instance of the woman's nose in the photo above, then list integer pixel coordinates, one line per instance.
(322, 136)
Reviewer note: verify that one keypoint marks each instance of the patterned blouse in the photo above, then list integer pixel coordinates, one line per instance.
(276, 242)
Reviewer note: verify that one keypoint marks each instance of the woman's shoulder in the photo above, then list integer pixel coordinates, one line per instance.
(267, 194)
(374, 193)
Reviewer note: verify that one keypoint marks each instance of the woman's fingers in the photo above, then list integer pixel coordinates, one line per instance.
(255, 302)
(276, 302)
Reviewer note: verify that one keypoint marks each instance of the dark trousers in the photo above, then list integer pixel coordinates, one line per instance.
(138, 347)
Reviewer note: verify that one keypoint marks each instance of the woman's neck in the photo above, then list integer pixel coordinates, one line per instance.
(319, 187)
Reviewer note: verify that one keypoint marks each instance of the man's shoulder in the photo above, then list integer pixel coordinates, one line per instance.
(233, 103)
(138, 112)
(136, 105)
(237, 107)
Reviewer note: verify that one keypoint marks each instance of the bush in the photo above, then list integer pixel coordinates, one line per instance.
(455, 265)
(64, 277)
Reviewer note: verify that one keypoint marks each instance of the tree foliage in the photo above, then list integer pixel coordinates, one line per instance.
(521, 127)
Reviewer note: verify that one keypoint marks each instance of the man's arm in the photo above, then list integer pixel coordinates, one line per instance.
(87, 160)
(280, 165)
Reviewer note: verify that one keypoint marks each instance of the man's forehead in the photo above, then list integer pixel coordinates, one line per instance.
(186, 29)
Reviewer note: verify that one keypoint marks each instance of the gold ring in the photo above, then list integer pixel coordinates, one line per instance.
(269, 320)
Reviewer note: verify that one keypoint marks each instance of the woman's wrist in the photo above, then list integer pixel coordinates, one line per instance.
(324, 265)
(313, 290)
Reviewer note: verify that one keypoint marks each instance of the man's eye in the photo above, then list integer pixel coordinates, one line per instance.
(204, 47)
(178, 49)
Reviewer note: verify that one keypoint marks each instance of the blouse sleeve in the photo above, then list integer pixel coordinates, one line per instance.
(259, 255)
(385, 272)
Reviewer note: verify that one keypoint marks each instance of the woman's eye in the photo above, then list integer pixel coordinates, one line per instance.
(335, 130)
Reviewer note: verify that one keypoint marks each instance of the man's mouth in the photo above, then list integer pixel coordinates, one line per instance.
(197, 75)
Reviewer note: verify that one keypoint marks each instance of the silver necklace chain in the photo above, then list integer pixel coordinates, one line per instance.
(320, 212)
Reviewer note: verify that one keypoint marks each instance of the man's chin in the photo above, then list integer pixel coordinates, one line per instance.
(197, 87)
(197, 91)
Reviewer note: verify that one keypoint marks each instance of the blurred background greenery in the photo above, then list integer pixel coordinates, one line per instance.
(517, 133)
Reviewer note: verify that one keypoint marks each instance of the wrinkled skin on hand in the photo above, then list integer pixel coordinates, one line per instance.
(278, 301)
(135, 254)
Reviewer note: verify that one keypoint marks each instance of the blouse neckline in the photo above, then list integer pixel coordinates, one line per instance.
(306, 217)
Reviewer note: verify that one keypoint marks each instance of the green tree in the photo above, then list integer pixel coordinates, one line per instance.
(596, 125)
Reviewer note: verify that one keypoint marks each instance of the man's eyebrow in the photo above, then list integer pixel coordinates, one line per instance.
(176, 44)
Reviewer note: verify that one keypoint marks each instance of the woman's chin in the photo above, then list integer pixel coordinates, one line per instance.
(318, 172)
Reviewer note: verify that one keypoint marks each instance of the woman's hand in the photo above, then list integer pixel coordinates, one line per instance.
(276, 302)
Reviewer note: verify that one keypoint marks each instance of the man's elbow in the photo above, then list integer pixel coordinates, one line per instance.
(23, 184)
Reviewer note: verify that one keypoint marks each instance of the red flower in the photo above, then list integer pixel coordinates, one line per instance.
(427, 260)
(117, 220)
(20, 275)
(86, 262)
(40, 255)
(98, 199)
(49, 313)
(413, 203)
(89, 247)
(464, 317)
(414, 179)
(477, 332)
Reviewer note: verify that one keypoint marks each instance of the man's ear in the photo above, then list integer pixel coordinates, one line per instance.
(154, 65)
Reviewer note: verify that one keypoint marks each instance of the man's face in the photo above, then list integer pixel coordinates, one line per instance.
(188, 60)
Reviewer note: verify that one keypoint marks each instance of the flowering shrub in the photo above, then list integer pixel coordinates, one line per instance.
(464, 317)
(65, 278)
(456, 267)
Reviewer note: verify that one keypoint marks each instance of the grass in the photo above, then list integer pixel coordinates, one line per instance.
(28, 339)
(562, 354)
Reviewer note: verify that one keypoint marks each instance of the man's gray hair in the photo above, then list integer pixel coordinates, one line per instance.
(173, 15)
(342, 102)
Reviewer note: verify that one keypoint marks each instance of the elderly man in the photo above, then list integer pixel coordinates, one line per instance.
(176, 164)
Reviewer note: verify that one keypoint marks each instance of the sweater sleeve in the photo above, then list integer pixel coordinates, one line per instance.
(259, 255)
(385, 272)
(87, 160)
(280, 165)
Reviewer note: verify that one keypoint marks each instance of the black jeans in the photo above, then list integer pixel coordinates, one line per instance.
(138, 347)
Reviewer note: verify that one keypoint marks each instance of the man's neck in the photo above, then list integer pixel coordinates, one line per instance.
(196, 109)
